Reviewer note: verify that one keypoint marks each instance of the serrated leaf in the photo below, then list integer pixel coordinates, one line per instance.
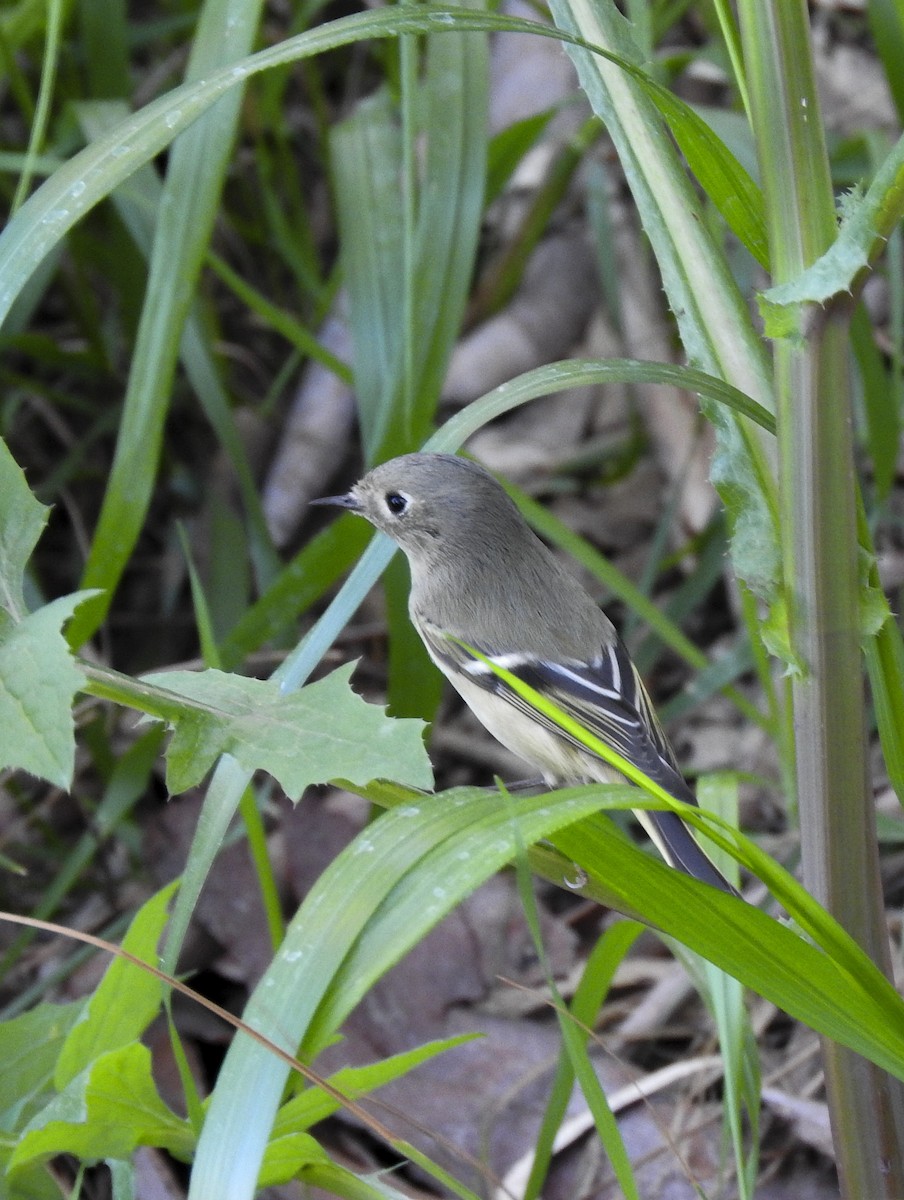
(125, 1001)
(321, 732)
(866, 224)
(22, 519)
(105, 1112)
(38, 679)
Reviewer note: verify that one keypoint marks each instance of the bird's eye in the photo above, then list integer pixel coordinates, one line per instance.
(396, 503)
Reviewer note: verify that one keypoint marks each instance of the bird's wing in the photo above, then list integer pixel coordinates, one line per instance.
(607, 698)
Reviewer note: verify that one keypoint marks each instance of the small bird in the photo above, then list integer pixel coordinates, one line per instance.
(479, 574)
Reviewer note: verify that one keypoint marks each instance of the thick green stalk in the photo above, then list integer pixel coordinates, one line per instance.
(820, 558)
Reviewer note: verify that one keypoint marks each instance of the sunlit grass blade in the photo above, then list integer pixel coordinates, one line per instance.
(399, 877)
(825, 985)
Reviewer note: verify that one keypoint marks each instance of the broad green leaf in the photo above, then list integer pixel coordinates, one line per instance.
(125, 1001)
(319, 733)
(22, 520)
(105, 1112)
(38, 679)
(29, 1047)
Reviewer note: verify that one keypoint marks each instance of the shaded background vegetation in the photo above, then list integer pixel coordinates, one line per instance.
(239, 406)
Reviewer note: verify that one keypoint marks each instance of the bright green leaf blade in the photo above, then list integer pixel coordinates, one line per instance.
(719, 173)
(405, 871)
(106, 1112)
(125, 1001)
(309, 736)
(38, 679)
(835, 989)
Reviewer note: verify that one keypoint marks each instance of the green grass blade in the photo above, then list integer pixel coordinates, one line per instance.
(195, 176)
(611, 948)
(41, 120)
(399, 877)
(366, 151)
(136, 202)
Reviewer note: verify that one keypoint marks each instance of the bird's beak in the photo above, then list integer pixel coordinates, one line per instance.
(349, 501)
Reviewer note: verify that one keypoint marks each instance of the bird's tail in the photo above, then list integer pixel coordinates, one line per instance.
(680, 849)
